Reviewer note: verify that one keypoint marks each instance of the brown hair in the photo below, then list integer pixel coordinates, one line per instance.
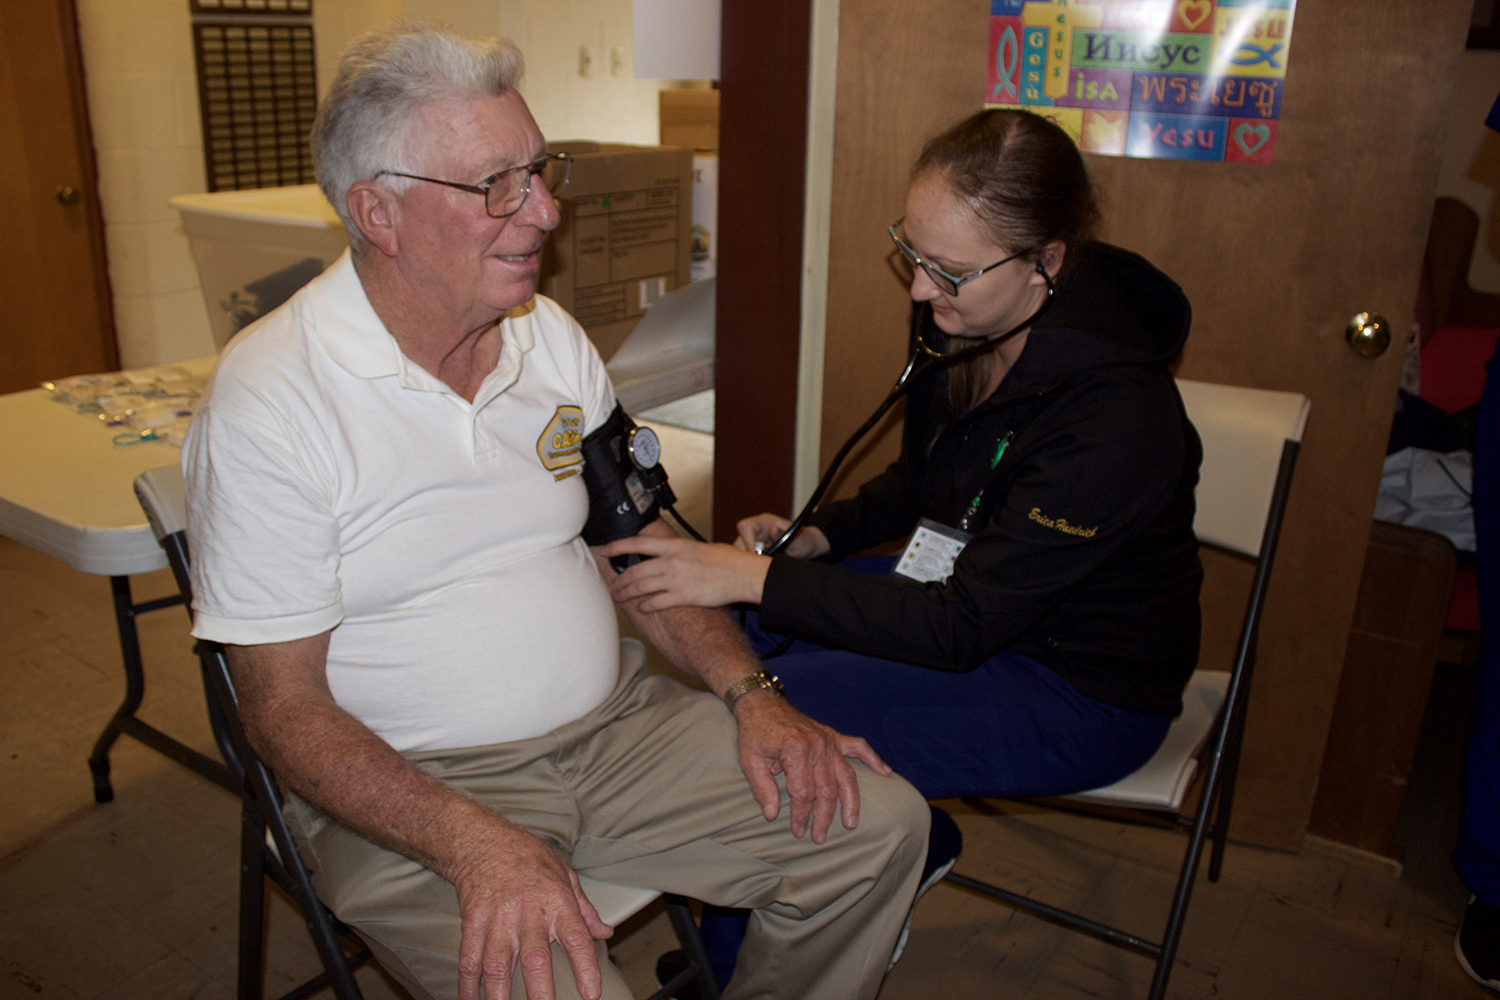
(1025, 181)
(1021, 175)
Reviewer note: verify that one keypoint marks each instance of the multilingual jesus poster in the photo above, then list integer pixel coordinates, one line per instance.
(1176, 79)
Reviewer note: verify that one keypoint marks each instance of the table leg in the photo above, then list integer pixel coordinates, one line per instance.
(124, 720)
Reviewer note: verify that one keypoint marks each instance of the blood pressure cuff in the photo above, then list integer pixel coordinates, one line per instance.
(619, 506)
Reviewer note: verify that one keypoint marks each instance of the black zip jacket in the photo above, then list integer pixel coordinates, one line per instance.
(1084, 556)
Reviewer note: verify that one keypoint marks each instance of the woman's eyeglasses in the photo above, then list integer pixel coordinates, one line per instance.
(948, 284)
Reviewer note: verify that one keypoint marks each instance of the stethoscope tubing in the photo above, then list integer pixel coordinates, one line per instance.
(935, 359)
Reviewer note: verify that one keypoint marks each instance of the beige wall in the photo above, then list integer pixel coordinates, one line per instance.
(337, 21)
(143, 106)
(142, 90)
(1471, 159)
(606, 105)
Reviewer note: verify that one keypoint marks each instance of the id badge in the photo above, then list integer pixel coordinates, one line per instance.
(931, 551)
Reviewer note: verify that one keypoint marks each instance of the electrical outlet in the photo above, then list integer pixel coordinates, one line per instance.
(585, 60)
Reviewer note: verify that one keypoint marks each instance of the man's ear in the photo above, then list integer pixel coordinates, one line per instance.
(373, 209)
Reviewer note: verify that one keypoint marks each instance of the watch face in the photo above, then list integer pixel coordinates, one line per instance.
(645, 448)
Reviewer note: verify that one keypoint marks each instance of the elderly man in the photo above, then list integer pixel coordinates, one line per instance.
(423, 646)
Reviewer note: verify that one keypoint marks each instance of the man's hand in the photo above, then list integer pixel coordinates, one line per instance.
(516, 896)
(775, 739)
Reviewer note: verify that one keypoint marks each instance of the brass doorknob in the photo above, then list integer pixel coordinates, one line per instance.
(66, 195)
(1368, 334)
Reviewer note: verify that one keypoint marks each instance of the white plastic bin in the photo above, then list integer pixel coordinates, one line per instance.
(254, 248)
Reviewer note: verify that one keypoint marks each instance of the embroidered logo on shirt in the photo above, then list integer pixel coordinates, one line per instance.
(1061, 524)
(561, 443)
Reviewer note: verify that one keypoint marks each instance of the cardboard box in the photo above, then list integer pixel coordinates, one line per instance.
(689, 118)
(625, 238)
(705, 215)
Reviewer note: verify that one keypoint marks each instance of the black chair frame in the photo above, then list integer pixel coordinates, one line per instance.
(1221, 753)
(266, 844)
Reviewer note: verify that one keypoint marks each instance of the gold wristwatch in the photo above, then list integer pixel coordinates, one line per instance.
(758, 681)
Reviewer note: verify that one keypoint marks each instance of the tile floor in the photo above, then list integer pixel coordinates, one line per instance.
(137, 899)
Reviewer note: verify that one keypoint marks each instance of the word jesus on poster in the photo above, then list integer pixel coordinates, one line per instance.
(1176, 79)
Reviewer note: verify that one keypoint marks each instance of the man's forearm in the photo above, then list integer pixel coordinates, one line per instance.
(704, 642)
(339, 765)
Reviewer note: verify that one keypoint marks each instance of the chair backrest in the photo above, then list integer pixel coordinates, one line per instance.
(1245, 433)
(1250, 441)
(163, 498)
(162, 495)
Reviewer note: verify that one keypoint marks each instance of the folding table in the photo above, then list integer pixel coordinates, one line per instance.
(66, 490)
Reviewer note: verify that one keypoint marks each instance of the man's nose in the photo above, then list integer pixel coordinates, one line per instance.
(540, 208)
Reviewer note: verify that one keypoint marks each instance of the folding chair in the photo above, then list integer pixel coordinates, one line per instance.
(1250, 441)
(266, 844)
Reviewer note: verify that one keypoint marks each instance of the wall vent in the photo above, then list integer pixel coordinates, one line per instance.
(257, 91)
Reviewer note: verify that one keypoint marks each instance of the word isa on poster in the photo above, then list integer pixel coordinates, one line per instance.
(1175, 79)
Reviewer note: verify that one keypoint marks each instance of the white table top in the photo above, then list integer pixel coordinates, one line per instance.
(66, 488)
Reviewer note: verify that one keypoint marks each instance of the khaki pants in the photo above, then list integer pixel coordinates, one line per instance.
(646, 790)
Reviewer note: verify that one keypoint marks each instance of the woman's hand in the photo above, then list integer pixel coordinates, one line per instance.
(763, 528)
(683, 573)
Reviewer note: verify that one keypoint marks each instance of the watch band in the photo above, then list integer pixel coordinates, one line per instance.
(758, 681)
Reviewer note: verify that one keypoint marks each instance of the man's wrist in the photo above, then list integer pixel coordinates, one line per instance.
(761, 680)
(756, 702)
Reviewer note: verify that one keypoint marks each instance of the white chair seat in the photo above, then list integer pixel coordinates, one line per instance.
(1163, 781)
(616, 903)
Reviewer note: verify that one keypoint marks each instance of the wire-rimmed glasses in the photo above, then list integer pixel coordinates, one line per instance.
(505, 192)
(947, 283)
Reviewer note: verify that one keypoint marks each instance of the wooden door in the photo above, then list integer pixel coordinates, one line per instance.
(55, 313)
(1275, 259)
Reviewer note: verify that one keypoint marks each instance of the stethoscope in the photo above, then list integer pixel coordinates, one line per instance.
(924, 359)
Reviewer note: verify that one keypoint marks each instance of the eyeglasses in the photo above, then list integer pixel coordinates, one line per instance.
(947, 283)
(505, 192)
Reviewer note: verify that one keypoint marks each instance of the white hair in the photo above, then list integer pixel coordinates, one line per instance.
(368, 122)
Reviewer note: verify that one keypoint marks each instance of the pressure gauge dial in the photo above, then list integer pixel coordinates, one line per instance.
(644, 448)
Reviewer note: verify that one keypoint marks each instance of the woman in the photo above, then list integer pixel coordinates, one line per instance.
(1054, 656)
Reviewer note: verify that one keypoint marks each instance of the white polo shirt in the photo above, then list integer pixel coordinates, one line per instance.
(335, 484)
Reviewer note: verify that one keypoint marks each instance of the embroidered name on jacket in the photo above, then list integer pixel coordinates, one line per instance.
(1061, 524)
(561, 443)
